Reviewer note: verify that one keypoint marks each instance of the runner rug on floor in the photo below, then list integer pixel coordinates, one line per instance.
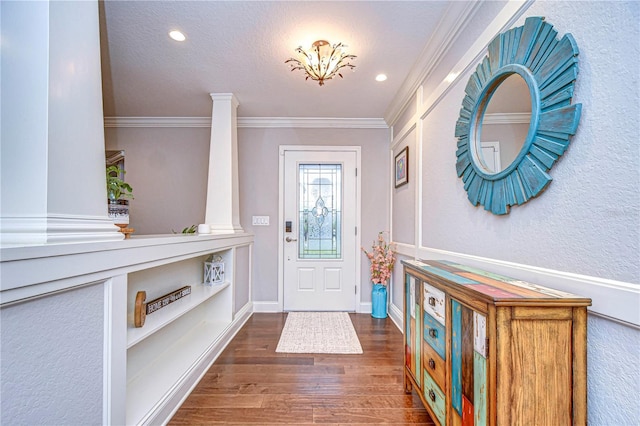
(319, 333)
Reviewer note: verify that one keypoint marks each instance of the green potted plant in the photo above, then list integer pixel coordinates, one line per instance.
(116, 187)
(118, 193)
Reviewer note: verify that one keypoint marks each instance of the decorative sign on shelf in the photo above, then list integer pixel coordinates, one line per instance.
(213, 270)
(143, 309)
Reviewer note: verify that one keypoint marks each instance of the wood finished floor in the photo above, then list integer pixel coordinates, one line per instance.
(251, 384)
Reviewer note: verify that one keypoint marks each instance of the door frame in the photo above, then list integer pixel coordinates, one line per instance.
(282, 150)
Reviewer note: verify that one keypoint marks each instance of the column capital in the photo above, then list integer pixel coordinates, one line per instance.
(225, 97)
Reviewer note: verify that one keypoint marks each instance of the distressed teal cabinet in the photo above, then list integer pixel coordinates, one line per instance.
(413, 323)
(485, 349)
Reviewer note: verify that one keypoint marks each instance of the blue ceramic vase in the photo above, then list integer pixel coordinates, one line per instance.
(379, 301)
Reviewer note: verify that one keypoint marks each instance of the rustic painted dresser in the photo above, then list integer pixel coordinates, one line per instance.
(485, 349)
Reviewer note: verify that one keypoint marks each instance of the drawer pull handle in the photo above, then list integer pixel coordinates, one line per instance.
(433, 333)
(432, 301)
(432, 395)
(432, 364)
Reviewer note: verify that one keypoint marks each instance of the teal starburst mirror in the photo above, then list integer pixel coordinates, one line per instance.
(549, 67)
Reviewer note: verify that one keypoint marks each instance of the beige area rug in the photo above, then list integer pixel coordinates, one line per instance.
(319, 333)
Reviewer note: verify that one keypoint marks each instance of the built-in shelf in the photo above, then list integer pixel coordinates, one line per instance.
(149, 386)
(177, 342)
(168, 314)
(148, 371)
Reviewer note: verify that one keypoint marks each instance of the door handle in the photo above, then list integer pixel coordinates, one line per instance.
(289, 239)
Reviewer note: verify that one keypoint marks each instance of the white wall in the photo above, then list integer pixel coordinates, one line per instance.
(582, 233)
(53, 190)
(25, 82)
(52, 145)
(76, 140)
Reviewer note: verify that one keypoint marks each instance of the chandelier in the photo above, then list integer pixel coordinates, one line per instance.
(322, 62)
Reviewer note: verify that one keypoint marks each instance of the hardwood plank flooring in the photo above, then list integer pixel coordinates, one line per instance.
(251, 384)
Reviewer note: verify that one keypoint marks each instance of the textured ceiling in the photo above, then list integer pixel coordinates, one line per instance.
(240, 47)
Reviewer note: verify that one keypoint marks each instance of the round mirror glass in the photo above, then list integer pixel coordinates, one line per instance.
(504, 125)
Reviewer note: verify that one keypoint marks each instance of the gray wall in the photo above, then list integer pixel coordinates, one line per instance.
(61, 339)
(168, 169)
(241, 282)
(404, 199)
(586, 222)
(258, 157)
(511, 137)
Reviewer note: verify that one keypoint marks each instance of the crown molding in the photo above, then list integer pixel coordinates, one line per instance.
(157, 122)
(507, 118)
(313, 122)
(250, 122)
(453, 23)
(510, 13)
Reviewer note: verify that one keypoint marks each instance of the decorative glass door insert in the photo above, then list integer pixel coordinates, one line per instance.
(320, 211)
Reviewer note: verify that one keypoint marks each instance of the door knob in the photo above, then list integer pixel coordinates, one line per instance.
(289, 239)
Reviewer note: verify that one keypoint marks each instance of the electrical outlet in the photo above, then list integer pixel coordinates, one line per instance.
(260, 221)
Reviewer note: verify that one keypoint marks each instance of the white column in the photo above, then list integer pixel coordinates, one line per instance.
(223, 205)
(52, 138)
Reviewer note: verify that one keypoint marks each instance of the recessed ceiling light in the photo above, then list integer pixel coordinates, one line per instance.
(381, 77)
(177, 35)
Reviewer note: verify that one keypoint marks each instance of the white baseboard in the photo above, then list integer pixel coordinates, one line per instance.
(396, 316)
(365, 308)
(268, 307)
(274, 307)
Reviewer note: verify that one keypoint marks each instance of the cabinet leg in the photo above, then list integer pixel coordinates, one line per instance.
(408, 386)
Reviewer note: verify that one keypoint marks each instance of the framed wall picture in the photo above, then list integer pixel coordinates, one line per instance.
(402, 167)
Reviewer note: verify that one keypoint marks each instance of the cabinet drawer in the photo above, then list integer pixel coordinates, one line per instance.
(434, 302)
(434, 334)
(434, 365)
(435, 398)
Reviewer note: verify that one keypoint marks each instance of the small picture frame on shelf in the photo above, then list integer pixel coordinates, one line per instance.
(402, 167)
(213, 271)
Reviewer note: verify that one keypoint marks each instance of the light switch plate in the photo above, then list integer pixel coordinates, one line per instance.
(260, 220)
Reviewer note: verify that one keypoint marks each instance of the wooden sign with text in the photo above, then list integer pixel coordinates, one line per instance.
(143, 309)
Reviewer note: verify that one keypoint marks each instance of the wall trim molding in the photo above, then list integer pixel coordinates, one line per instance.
(617, 300)
(312, 122)
(395, 314)
(511, 12)
(56, 228)
(248, 122)
(507, 118)
(451, 25)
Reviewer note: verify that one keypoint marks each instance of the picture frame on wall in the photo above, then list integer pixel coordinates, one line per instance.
(402, 167)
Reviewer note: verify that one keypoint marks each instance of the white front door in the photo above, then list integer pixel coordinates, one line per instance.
(319, 238)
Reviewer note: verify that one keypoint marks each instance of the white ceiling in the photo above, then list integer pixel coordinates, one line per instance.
(240, 47)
